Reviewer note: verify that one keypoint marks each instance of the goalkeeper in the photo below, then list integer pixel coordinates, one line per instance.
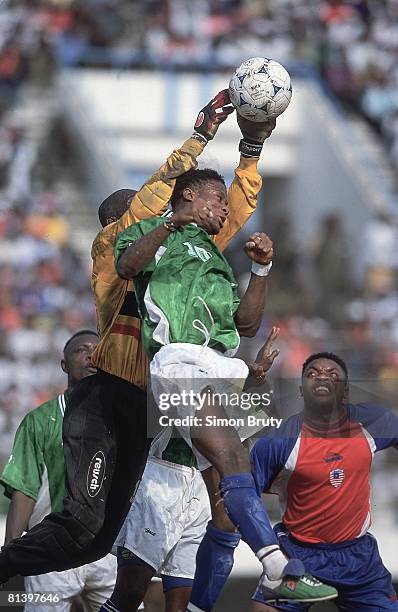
(107, 413)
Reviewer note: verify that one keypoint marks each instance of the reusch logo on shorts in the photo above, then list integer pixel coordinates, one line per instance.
(96, 473)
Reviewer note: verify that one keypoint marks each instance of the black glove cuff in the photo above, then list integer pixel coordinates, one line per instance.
(249, 148)
(200, 138)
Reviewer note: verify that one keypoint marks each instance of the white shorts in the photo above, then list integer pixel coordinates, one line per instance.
(167, 519)
(94, 581)
(184, 370)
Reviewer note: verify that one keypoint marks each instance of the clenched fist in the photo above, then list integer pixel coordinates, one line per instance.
(259, 248)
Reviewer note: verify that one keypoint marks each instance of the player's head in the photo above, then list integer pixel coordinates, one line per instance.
(324, 381)
(77, 356)
(115, 205)
(207, 191)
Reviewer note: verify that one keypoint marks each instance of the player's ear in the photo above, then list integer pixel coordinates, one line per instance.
(188, 194)
(64, 366)
(301, 390)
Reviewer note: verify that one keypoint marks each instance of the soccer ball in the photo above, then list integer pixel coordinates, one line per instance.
(260, 89)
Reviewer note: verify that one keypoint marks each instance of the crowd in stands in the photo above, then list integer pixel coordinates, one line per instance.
(353, 43)
(315, 297)
(44, 285)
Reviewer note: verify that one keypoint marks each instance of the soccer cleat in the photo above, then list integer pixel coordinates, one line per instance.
(298, 586)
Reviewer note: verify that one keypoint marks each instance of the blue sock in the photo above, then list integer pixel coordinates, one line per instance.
(246, 510)
(214, 562)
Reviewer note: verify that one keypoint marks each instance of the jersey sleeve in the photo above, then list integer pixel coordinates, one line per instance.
(126, 238)
(152, 199)
(133, 233)
(270, 454)
(242, 200)
(266, 463)
(380, 423)
(25, 466)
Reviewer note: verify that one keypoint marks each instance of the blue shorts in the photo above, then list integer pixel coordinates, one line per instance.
(354, 568)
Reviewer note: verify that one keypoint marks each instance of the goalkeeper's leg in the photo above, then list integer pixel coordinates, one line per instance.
(105, 447)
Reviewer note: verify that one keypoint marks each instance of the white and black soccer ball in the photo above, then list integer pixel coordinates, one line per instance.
(260, 89)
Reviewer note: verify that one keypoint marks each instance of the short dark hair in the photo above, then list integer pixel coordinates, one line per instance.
(81, 332)
(115, 205)
(325, 355)
(192, 178)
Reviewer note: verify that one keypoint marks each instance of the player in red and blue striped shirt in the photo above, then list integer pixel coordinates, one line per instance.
(319, 464)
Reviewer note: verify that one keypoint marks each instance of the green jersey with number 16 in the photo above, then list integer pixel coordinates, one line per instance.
(187, 293)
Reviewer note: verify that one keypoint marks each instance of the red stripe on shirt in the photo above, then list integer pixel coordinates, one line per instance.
(125, 330)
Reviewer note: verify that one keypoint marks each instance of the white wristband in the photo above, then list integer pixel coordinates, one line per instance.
(260, 270)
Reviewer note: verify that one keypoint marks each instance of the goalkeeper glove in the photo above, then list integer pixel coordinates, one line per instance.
(254, 133)
(211, 116)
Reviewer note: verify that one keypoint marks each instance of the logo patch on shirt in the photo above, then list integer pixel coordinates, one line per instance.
(332, 457)
(198, 252)
(336, 478)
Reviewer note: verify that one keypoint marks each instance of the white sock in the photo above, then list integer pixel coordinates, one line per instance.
(273, 560)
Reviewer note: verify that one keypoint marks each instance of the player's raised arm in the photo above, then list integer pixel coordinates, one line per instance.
(259, 249)
(243, 192)
(152, 198)
(265, 358)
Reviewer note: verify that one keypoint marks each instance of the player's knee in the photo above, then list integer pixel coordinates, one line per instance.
(220, 519)
(232, 460)
(87, 539)
(83, 523)
(223, 523)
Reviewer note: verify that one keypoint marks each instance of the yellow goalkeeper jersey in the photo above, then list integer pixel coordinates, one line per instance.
(120, 351)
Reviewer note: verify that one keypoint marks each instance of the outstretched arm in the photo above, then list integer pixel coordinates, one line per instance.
(244, 190)
(248, 317)
(153, 197)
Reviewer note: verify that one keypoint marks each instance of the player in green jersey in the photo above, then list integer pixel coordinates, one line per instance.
(34, 479)
(192, 323)
(166, 522)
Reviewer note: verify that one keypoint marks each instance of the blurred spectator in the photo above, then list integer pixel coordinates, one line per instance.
(333, 278)
(44, 286)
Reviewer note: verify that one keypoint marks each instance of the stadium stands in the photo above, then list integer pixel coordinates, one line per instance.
(352, 43)
(44, 282)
